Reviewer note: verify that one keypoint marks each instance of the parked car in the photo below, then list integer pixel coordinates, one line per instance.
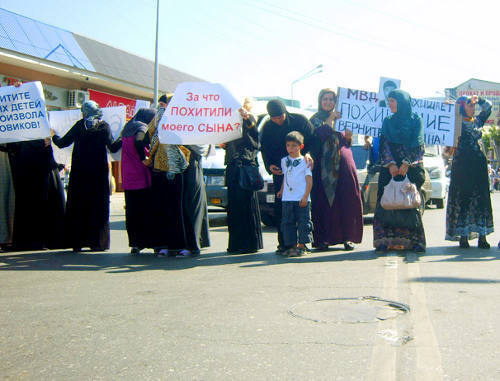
(214, 175)
(434, 164)
(368, 180)
(216, 190)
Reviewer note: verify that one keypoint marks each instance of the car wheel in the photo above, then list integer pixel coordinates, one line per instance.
(439, 203)
(267, 219)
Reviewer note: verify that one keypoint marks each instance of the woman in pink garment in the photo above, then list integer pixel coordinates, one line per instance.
(136, 179)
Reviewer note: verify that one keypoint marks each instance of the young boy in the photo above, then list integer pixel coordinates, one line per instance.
(294, 194)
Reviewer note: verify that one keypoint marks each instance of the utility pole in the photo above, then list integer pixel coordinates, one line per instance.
(155, 95)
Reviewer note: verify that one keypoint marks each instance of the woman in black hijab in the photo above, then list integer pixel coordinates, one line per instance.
(87, 209)
(243, 215)
(401, 154)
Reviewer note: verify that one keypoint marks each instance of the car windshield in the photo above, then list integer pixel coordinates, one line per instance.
(360, 155)
(431, 151)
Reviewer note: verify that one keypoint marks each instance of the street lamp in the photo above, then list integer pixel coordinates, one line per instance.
(318, 69)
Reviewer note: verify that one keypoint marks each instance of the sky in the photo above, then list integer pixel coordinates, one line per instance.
(259, 47)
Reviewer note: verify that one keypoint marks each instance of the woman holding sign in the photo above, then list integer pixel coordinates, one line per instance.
(243, 204)
(337, 210)
(87, 208)
(401, 153)
(168, 163)
(468, 213)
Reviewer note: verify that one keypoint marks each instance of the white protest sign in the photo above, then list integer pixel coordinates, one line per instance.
(200, 113)
(62, 121)
(139, 103)
(362, 115)
(116, 118)
(23, 115)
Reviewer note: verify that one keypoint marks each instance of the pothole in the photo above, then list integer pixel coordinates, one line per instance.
(363, 309)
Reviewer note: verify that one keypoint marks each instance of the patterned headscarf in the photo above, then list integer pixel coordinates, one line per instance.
(330, 150)
(91, 111)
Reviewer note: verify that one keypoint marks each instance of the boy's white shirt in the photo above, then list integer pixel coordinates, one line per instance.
(294, 179)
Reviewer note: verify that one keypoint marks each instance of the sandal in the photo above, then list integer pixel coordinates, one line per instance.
(296, 251)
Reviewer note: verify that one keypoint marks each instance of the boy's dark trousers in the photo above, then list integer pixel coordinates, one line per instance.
(295, 218)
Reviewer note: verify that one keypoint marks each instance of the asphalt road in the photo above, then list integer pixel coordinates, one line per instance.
(113, 316)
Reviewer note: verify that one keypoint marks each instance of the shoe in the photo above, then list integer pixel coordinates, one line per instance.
(162, 253)
(483, 244)
(348, 246)
(280, 250)
(135, 250)
(97, 249)
(296, 252)
(185, 253)
(464, 243)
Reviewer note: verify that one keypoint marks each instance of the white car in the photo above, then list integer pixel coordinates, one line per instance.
(434, 164)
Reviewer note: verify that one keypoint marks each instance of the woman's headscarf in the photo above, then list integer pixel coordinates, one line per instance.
(330, 151)
(323, 114)
(139, 123)
(404, 126)
(91, 110)
(462, 101)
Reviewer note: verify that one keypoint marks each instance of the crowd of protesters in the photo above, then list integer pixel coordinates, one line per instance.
(318, 198)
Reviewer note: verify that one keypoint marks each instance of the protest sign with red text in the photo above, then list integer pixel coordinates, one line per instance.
(200, 113)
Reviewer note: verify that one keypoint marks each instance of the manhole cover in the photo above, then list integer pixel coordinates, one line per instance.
(363, 309)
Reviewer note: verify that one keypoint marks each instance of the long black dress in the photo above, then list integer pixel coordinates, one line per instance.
(243, 215)
(87, 209)
(195, 209)
(39, 197)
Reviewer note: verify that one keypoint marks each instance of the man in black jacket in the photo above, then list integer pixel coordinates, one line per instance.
(273, 148)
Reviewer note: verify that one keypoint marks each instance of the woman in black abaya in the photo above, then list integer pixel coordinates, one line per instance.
(87, 209)
(243, 215)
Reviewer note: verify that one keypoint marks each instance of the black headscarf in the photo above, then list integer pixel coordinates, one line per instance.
(139, 123)
(404, 126)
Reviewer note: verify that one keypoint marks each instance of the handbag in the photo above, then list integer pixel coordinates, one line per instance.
(250, 178)
(399, 218)
(400, 195)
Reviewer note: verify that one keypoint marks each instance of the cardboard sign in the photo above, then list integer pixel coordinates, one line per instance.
(62, 121)
(23, 115)
(200, 113)
(362, 115)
